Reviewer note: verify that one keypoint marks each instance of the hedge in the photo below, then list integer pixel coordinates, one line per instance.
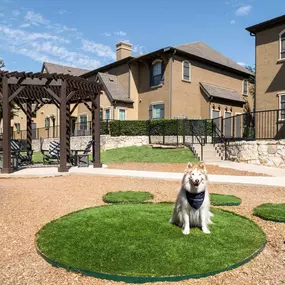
(159, 127)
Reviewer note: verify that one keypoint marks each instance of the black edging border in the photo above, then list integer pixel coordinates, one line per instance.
(269, 219)
(130, 201)
(140, 280)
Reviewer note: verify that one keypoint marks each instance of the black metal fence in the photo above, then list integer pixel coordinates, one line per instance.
(269, 124)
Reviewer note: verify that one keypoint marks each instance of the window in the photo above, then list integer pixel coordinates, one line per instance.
(47, 123)
(186, 70)
(282, 44)
(156, 73)
(245, 87)
(282, 106)
(107, 114)
(83, 122)
(18, 127)
(156, 111)
(122, 114)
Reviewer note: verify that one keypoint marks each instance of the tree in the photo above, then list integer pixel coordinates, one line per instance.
(14, 108)
(251, 88)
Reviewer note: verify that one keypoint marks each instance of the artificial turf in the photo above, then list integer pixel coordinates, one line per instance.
(224, 200)
(138, 240)
(127, 197)
(273, 212)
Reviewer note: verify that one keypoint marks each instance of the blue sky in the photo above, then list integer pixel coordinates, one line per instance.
(83, 33)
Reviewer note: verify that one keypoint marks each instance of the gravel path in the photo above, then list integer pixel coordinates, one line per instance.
(27, 204)
(179, 167)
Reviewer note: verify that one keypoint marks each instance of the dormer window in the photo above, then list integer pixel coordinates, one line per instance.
(156, 73)
(282, 44)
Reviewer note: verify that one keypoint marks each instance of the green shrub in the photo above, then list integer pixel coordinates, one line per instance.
(128, 128)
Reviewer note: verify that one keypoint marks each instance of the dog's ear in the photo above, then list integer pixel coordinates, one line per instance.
(202, 165)
(189, 165)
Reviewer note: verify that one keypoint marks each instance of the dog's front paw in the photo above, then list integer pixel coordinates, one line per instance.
(206, 230)
(186, 231)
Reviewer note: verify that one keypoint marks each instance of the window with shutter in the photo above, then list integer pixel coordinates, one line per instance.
(245, 87)
(282, 44)
(157, 111)
(186, 71)
(156, 73)
(282, 106)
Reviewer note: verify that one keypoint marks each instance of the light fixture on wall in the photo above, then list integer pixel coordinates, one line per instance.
(226, 108)
(231, 109)
(213, 106)
(219, 107)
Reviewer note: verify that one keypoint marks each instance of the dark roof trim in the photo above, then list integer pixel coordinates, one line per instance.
(266, 25)
(108, 66)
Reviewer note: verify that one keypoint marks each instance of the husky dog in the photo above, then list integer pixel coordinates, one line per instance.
(192, 206)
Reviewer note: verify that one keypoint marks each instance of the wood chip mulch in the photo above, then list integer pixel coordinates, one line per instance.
(179, 167)
(28, 204)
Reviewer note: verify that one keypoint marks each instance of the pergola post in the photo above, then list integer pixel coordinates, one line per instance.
(63, 128)
(29, 125)
(96, 131)
(6, 127)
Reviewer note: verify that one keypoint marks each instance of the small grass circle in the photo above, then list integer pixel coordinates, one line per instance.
(123, 197)
(136, 243)
(224, 200)
(271, 212)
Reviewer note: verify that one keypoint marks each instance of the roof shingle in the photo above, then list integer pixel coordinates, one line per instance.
(221, 92)
(204, 51)
(61, 69)
(114, 88)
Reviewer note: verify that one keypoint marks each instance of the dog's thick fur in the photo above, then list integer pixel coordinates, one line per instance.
(195, 180)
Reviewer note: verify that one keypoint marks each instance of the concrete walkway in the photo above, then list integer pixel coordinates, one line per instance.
(273, 171)
(52, 171)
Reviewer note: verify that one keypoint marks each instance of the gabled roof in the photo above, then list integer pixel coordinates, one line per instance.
(221, 92)
(266, 25)
(113, 88)
(204, 51)
(61, 69)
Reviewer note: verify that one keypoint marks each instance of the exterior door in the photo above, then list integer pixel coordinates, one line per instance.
(216, 118)
(228, 124)
(238, 125)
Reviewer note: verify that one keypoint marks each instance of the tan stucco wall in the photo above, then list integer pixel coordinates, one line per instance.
(149, 95)
(270, 73)
(187, 97)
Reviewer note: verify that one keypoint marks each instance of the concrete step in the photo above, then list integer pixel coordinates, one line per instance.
(210, 153)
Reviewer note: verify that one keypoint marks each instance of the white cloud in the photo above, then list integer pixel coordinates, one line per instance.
(2, 15)
(16, 13)
(26, 25)
(244, 10)
(242, 63)
(120, 33)
(139, 49)
(233, 22)
(35, 19)
(99, 49)
(62, 11)
(227, 3)
(43, 47)
(106, 34)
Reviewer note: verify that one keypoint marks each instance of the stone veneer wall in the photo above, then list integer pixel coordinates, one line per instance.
(107, 142)
(268, 153)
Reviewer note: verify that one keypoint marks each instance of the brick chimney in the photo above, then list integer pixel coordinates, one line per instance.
(123, 50)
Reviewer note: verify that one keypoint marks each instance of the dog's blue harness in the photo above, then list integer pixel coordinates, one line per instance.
(195, 199)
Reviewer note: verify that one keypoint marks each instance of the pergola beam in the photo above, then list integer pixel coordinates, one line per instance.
(55, 97)
(33, 81)
(16, 93)
(6, 127)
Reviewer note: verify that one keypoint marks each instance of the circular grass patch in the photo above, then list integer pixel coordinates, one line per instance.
(271, 212)
(123, 197)
(136, 243)
(224, 200)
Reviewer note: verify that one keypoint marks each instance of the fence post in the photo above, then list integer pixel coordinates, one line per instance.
(233, 134)
(212, 131)
(247, 125)
(191, 129)
(183, 130)
(277, 123)
(149, 131)
(177, 131)
(222, 126)
(163, 133)
(206, 131)
(119, 127)
(38, 133)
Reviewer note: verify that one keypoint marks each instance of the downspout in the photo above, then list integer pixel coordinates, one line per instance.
(170, 85)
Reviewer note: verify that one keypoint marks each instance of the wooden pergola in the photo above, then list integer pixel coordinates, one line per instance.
(30, 91)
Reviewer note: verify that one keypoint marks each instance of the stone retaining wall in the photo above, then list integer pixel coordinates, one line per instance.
(107, 142)
(268, 153)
